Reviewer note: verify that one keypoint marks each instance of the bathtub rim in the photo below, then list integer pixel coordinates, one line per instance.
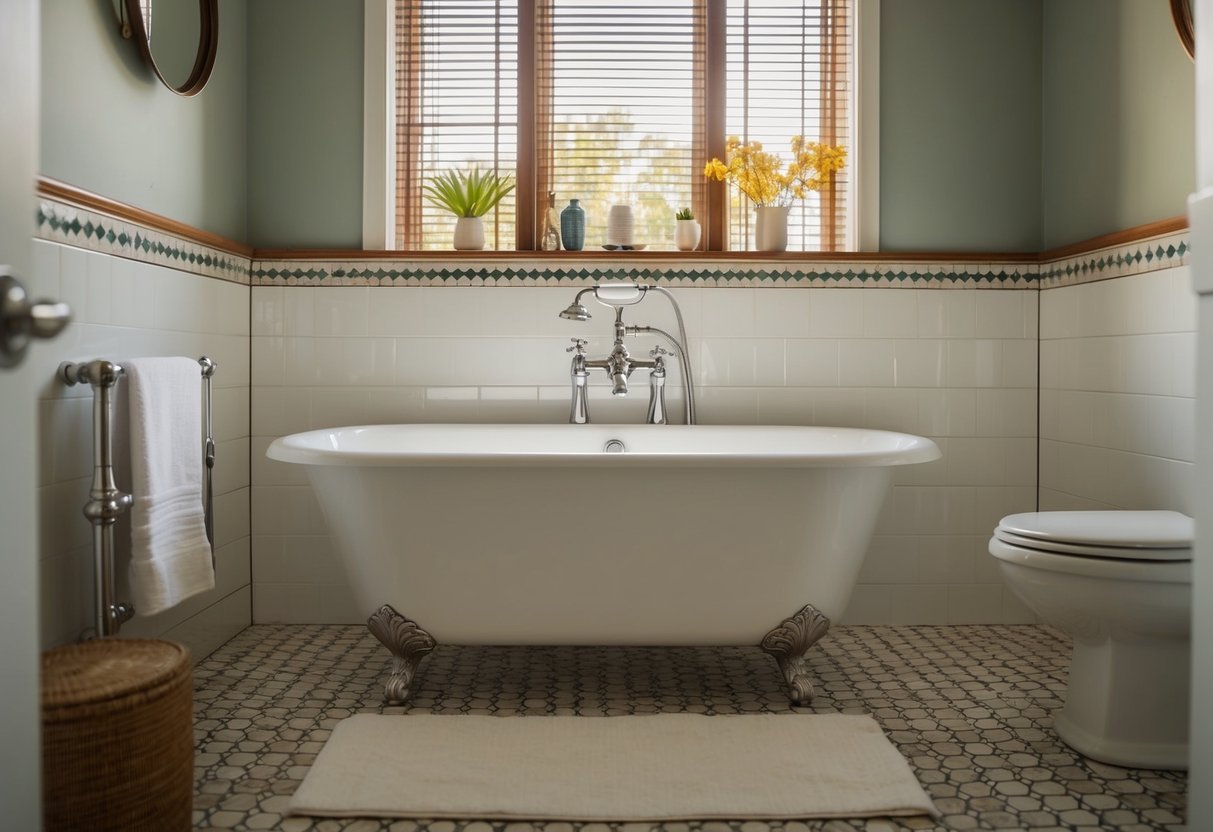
(909, 450)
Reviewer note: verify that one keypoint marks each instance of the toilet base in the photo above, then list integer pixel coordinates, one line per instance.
(1127, 702)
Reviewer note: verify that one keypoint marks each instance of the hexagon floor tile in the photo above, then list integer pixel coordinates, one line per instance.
(968, 706)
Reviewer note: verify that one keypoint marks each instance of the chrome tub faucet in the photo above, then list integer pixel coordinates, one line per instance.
(619, 364)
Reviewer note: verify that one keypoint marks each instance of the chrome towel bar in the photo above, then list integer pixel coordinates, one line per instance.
(106, 501)
(208, 452)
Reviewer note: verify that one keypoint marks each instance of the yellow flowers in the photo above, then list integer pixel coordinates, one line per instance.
(759, 174)
(717, 170)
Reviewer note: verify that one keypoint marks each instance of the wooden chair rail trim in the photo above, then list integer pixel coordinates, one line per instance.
(63, 192)
(70, 194)
(1116, 238)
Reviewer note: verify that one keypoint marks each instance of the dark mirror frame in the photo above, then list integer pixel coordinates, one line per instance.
(208, 43)
(1181, 13)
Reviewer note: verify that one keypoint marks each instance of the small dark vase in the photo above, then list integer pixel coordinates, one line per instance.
(572, 226)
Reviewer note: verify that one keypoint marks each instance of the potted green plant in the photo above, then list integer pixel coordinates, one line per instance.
(469, 196)
(686, 230)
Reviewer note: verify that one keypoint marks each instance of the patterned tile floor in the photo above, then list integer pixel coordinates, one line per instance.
(969, 707)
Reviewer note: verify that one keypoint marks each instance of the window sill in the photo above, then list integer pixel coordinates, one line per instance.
(439, 256)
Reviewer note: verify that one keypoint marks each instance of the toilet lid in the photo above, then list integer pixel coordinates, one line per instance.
(1138, 535)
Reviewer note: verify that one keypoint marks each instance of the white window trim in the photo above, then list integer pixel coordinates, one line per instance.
(378, 118)
(379, 146)
(865, 185)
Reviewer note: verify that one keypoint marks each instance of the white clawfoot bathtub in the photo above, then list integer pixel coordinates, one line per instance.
(540, 534)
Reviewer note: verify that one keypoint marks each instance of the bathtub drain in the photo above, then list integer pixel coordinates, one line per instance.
(614, 446)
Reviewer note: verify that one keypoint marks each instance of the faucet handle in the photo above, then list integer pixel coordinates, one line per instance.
(659, 350)
(578, 346)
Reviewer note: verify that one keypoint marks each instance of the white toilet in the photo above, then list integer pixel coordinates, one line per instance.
(1119, 583)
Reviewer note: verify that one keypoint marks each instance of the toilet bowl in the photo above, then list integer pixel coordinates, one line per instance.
(1120, 584)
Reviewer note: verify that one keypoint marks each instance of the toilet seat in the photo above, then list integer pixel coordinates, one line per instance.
(1126, 535)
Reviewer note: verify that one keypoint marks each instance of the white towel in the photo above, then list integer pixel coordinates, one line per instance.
(170, 555)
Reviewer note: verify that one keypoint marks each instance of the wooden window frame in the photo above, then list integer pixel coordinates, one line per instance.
(861, 234)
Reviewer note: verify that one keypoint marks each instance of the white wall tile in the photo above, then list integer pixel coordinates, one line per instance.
(890, 409)
(339, 310)
(811, 363)
(891, 313)
(1119, 433)
(833, 406)
(947, 412)
(727, 312)
(892, 604)
(920, 363)
(1000, 313)
(866, 363)
(782, 313)
(43, 281)
(786, 405)
(99, 275)
(73, 281)
(1186, 318)
(123, 309)
(973, 604)
(836, 313)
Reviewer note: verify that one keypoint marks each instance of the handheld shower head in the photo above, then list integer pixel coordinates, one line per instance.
(576, 312)
(614, 295)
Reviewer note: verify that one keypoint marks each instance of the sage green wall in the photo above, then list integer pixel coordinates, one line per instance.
(960, 161)
(109, 126)
(960, 124)
(305, 123)
(1118, 118)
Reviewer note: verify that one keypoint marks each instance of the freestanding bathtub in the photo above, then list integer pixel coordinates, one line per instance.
(661, 535)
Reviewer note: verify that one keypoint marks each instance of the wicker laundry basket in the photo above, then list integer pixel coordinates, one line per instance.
(117, 736)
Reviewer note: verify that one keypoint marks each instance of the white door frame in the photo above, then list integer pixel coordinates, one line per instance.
(20, 762)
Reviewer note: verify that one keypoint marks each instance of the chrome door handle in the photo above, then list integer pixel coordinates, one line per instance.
(22, 319)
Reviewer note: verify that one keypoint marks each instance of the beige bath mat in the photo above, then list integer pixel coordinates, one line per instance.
(629, 768)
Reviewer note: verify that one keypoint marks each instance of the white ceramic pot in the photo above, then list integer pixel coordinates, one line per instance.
(686, 234)
(771, 227)
(469, 234)
(620, 225)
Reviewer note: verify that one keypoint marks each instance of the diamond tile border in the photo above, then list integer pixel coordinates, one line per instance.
(1148, 255)
(1152, 254)
(724, 273)
(73, 225)
(60, 222)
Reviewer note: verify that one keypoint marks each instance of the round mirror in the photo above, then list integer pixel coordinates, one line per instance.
(177, 39)
(1181, 13)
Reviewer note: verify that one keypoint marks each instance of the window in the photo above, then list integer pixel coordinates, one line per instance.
(787, 75)
(617, 102)
(456, 106)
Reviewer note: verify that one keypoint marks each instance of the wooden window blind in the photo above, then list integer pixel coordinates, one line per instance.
(619, 110)
(617, 102)
(787, 74)
(457, 106)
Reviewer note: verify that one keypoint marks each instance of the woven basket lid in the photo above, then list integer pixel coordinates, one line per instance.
(108, 668)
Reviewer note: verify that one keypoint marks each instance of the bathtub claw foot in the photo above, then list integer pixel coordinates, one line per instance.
(409, 645)
(789, 642)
